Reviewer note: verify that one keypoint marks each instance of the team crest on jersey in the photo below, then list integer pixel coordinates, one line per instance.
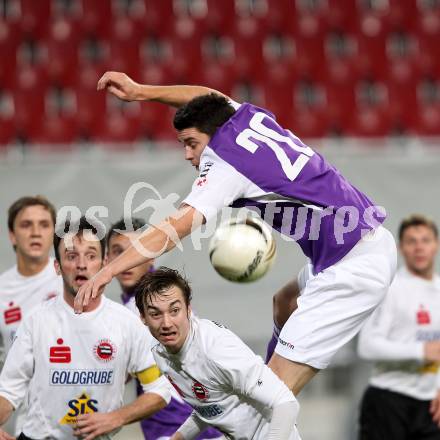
(81, 405)
(200, 391)
(104, 350)
(202, 176)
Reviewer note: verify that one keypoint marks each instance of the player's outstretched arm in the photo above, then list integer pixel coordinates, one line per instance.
(122, 86)
(90, 426)
(152, 243)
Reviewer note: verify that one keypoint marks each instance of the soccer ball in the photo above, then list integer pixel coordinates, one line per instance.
(242, 250)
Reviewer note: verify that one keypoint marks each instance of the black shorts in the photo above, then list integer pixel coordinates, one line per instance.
(386, 415)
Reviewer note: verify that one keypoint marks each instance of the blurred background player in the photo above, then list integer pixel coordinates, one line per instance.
(227, 385)
(73, 368)
(33, 279)
(403, 337)
(247, 159)
(165, 422)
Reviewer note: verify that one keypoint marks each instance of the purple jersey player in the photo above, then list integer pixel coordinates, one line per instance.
(164, 423)
(246, 159)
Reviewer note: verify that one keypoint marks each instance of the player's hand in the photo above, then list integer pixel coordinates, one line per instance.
(432, 351)
(120, 85)
(5, 436)
(92, 289)
(90, 426)
(434, 409)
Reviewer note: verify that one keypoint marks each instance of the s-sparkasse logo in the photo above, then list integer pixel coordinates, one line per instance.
(60, 353)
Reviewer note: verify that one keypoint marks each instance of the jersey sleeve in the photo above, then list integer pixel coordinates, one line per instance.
(217, 186)
(141, 358)
(374, 342)
(247, 375)
(19, 366)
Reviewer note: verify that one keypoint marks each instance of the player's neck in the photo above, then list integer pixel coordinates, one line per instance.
(427, 274)
(29, 267)
(93, 304)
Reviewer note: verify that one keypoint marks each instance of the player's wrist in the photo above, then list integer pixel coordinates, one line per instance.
(143, 92)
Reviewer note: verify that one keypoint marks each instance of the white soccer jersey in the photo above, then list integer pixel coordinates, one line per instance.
(70, 364)
(228, 386)
(395, 336)
(20, 294)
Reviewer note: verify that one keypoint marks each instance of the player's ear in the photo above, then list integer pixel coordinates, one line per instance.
(12, 238)
(189, 312)
(57, 267)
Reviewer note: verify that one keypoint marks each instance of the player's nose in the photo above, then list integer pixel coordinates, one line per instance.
(188, 153)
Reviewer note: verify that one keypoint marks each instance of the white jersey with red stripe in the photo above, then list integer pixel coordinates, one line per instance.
(68, 364)
(20, 294)
(228, 386)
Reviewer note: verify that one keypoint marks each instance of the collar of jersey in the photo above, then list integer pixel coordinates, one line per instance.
(85, 316)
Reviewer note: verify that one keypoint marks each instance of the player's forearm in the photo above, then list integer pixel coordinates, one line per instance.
(157, 240)
(6, 409)
(144, 406)
(175, 96)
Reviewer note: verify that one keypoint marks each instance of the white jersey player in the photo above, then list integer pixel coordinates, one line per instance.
(72, 369)
(403, 338)
(32, 280)
(164, 423)
(227, 385)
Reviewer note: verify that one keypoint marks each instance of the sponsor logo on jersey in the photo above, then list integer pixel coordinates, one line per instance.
(80, 377)
(60, 354)
(286, 344)
(81, 405)
(104, 350)
(12, 314)
(202, 176)
(175, 386)
(423, 316)
(200, 391)
(210, 411)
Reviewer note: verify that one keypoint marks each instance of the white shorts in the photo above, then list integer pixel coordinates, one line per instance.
(335, 303)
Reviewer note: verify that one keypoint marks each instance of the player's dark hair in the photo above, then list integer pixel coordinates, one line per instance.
(417, 220)
(156, 283)
(79, 228)
(27, 201)
(206, 113)
(137, 223)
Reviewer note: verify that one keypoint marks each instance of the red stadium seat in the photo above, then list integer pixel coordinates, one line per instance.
(29, 98)
(218, 76)
(428, 120)
(62, 46)
(118, 128)
(280, 15)
(342, 15)
(370, 122)
(9, 41)
(56, 129)
(158, 17)
(248, 41)
(308, 123)
(220, 17)
(90, 104)
(35, 17)
(125, 46)
(96, 16)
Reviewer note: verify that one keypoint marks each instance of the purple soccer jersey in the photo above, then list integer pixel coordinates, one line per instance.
(251, 161)
(165, 422)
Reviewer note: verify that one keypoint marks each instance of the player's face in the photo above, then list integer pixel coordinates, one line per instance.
(194, 142)
(419, 246)
(79, 261)
(167, 317)
(33, 232)
(118, 244)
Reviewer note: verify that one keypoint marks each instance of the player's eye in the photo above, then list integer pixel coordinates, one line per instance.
(175, 311)
(70, 257)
